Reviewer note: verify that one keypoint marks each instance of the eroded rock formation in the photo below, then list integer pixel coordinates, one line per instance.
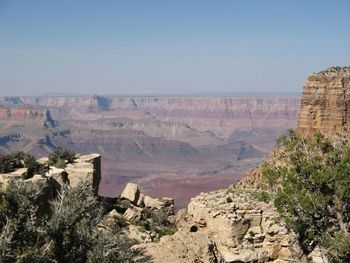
(229, 225)
(325, 105)
(84, 168)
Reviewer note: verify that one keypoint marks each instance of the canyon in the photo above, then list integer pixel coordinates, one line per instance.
(177, 146)
(242, 222)
(239, 223)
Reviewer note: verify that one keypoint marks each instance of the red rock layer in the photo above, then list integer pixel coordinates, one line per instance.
(22, 113)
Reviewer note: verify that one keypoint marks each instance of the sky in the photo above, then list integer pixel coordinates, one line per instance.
(168, 47)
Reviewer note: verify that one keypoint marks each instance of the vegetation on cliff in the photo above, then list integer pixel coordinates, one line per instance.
(65, 229)
(59, 157)
(311, 183)
(11, 162)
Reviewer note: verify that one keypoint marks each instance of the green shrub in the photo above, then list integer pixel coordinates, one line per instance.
(264, 197)
(16, 160)
(35, 229)
(11, 162)
(60, 156)
(166, 231)
(156, 221)
(229, 200)
(312, 191)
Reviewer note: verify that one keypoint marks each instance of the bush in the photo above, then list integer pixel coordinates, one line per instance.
(264, 197)
(313, 193)
(156, 221)
(10, 162)
(61, 230)
(166, 231)
(59, 157)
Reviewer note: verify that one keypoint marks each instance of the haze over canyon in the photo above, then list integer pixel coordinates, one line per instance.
(176, 146)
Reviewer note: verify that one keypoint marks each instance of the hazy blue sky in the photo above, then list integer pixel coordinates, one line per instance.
(179, 46)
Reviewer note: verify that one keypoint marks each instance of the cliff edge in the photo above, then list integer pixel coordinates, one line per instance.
(325, 104)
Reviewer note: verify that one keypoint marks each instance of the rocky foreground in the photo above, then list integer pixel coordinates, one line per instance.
(228, 225)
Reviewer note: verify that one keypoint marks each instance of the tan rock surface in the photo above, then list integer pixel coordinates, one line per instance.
(182, 247)
(131, 192)
(228, 225)
(325, 104)
(86, 167)
(244, 230)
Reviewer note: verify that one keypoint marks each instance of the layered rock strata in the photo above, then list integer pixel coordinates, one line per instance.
(229, 225)
(220, 115)
(325, 105)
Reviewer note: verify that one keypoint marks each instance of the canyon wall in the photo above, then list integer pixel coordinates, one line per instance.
(325, 105)
(176, 145)
(221, 115)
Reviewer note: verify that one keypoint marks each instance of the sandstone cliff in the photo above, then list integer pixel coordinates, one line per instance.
(325, 104)
(325, 107)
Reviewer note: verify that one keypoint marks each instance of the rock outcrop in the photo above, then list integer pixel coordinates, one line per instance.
(132, 193)
(325, 108)
(85, 168)
(325, 105)
(229, 225)
(244, 228)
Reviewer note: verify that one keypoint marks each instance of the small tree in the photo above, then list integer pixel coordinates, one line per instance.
(313, 192)
(59, 157)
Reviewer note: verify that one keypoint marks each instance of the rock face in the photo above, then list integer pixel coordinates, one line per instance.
(244, 229)
(27, 113)
(85, 167)
(229, 225)
(222, 115)
(325, 105)
(182, 247)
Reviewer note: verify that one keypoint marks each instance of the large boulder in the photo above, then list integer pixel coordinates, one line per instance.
(131, 192)
(86, 168)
